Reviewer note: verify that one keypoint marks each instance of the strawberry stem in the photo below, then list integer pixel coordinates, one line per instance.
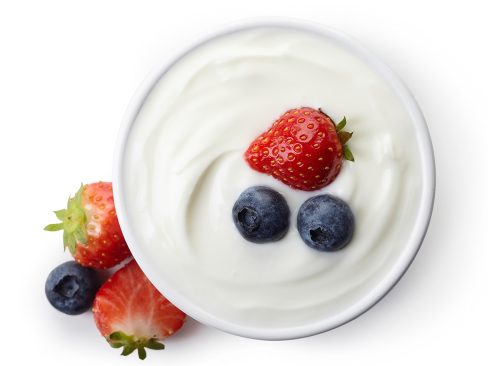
(344, 136)
(341, 124)
(348, 154)
(132, 343)
(73, 222)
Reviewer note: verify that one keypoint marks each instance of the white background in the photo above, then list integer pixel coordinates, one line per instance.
(67, 73)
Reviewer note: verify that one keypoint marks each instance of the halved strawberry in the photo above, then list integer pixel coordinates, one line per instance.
(131, 313)
(303, 148)
(91, 229)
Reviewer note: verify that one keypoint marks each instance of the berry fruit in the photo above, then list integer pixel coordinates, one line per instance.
(325, 223)
(91, 229)
(303, 149)
(131, 313)
(261, 215)
(71, 288)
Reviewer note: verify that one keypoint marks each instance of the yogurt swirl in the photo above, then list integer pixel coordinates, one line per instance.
(183, 169)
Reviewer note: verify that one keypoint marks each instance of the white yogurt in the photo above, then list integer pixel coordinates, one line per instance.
(183, 169)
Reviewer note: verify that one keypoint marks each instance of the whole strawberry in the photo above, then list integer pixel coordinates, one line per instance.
(91, 230)
(131, 313)
(303, 148)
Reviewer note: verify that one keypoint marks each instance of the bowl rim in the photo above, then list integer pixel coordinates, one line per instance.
(407, 255)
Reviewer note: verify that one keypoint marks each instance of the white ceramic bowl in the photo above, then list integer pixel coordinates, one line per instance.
(384, 286)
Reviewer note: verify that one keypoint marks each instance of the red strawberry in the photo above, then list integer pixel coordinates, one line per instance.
(91, 229)
(303, 149)
(131, 313)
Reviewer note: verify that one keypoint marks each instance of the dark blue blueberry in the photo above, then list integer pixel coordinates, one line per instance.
(261, 215)
(71, 288)
(325, 223)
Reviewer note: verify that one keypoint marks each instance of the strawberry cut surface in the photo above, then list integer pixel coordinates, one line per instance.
(131, 313)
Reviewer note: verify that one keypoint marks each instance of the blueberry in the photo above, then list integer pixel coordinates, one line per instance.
(325, 223)
(261, 215)
(71, 288)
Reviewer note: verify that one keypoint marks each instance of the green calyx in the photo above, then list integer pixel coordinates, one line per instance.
(344, 136)
(131, 343)
(73, 222)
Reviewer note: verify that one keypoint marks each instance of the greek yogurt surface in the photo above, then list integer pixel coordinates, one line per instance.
(183, 169)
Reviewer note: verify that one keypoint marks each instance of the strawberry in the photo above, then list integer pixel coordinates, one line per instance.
(131, 313)
(91, 229)
(303, 149)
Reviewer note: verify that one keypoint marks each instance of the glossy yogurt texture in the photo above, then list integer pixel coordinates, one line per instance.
(183, 170)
